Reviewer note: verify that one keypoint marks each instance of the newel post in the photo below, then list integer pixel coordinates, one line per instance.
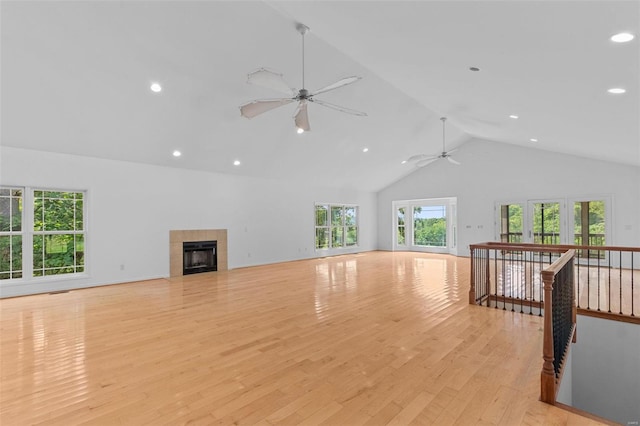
(472, 280)
(548, 375)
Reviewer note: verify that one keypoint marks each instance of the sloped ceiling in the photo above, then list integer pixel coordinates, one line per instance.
(75, 79)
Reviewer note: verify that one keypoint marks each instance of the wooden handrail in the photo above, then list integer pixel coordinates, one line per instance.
(552, 248)
(552, 270)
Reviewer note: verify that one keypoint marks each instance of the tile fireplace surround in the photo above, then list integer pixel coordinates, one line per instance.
(177, 237)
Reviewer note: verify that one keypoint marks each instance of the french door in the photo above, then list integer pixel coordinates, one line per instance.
(545, 225)
(534, 221)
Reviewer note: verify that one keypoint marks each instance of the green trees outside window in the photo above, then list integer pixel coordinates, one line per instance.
(336, 226)
(546, 223)
(54, 234)
(58, 232)
(589, 223)
(401, 226)
(322, 227)
(511, 223)
(430, 226)
(350, 226)
(11, 202)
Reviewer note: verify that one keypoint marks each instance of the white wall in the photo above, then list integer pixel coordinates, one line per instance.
(606, 369)
(493, 171)
(132, 207)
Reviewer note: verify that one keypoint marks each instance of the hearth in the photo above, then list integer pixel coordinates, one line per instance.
(199, 256)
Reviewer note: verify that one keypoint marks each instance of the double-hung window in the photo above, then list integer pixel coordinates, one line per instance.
(58, 232)
(11, 203)
(47, 225)
(336, 226)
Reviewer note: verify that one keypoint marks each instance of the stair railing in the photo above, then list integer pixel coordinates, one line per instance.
(559, 322)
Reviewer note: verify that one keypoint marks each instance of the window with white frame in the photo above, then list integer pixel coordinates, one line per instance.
(427, 225)
(48, 225)
(336, 226)
(58, 232)
(11, 203)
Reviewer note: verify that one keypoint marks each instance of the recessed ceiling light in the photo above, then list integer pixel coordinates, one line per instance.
(155, 87)
(404, 162)
(236, 163)
(300, 131)
(177, 153)
(622, 37)
(365, 149)
(474, 69)
(616, 90)
(515, 117)
(533, 140)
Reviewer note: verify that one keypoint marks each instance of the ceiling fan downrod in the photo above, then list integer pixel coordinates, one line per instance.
(443, 119)
(302, 29)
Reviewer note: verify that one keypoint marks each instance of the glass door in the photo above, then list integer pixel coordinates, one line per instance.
(545, 223)
(511, 222)
(590, 227)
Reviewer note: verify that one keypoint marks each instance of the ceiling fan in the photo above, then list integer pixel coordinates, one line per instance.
(423, 159)
(273, 80)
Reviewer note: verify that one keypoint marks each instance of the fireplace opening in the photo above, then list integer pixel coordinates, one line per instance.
(199, 256)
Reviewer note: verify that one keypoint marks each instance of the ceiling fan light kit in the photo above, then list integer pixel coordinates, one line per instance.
(424, 160)
(275, 81)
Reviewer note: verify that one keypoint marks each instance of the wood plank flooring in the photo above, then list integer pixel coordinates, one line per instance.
(378, 338)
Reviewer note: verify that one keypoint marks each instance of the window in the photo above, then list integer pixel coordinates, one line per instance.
(322, 227)
(336, 226)
(427, 225)
(430, 226)
(350, 226)
(11, 202)
(58, 232)
(400, 235)
(42, 232)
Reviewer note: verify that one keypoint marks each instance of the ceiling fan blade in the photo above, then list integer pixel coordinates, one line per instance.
(254, 108)
(425, 162)
(339, 83)
(419, 157)
(271, 80)
(339, 108)
(302, 118)
(451, 160)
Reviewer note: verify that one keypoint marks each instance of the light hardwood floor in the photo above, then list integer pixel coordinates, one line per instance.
(375, 338)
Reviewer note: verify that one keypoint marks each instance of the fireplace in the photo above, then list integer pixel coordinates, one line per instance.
(199, 256)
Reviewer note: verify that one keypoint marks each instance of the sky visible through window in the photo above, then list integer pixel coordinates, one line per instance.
(430, 212)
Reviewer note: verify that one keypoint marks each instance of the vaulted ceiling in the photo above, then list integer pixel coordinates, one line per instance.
(75, 79)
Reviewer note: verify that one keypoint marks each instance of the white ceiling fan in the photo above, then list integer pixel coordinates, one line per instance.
(423, 159)
(273, 80)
